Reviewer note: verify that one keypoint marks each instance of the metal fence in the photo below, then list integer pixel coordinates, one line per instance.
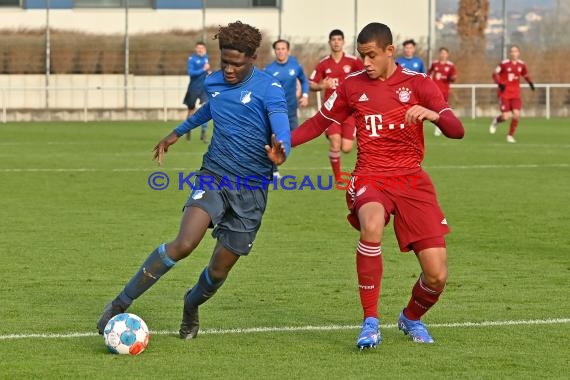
(164, 102)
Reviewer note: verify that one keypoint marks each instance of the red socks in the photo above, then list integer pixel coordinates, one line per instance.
(514, 125)
(499, 119)
(423, 298)
(369, 269)
(334, 158)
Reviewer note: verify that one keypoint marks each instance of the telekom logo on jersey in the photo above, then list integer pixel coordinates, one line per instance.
(373, 122)
(374, 125)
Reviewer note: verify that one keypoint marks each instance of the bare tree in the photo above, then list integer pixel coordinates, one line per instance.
(473, 16)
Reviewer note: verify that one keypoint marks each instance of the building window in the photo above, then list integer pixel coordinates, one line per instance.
(240, 3)
(113, 3)
(9, 3)
(265, 3)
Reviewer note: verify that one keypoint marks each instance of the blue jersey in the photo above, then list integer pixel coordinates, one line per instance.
(414, 64)
(287, 73)
(195, 68)
(245, 115)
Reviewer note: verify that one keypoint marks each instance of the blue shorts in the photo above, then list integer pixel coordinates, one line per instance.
(236, 213)
(193, 94)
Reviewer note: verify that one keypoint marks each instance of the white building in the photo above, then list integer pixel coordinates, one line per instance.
(296, 19)
(93, 96)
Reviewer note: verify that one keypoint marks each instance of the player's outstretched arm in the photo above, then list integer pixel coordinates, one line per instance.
(446, 120)
(161, 148)
(450, 125)
(529, 81)
(310, 129)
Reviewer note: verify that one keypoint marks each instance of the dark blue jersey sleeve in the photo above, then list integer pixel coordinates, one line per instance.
(189, 66)
(202, 116)
(276, 108)
(303, 79)
(280, 127)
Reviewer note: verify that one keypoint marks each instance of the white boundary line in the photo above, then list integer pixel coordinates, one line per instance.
(187, 170)
(253, 330)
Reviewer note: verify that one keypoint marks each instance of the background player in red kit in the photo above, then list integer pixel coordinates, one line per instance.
(389, 105)
(443, 74)
(328, 75)
(507, 76)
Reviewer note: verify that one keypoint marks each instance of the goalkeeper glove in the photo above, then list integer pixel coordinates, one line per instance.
(531, 85)
(501, 87)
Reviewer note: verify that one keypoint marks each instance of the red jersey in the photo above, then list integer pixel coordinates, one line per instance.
(386, 144)
(509, 73)
(328, 68)
(443, 73)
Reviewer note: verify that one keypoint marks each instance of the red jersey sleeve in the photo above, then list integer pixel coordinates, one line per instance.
(497, 74)
(452, 76)
(431, 69)
(336, 107)
(429, 95)
(524, 73)
(317, 74)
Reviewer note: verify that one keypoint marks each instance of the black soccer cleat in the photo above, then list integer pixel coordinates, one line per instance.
(190, 321)
(111, 309)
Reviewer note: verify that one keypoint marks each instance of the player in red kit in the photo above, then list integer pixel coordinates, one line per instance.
(443, 74)
(507, 75)
(389, 105)
(328, 75)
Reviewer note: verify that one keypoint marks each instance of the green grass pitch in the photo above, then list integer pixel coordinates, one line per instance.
(78, 218)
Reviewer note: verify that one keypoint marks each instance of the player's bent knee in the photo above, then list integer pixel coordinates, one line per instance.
(218, 273)
(180, 249)
(371, 228)
(435, 281)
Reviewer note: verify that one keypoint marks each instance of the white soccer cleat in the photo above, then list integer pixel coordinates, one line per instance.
(511, 139)
(437, 132)
(493, 127)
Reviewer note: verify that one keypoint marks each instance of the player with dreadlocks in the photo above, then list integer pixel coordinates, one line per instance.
(251, 134)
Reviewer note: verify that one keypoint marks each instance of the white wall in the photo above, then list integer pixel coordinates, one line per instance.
(92, 91)
(300, 19)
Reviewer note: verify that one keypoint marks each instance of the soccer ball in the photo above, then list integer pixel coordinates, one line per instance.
(126, 334)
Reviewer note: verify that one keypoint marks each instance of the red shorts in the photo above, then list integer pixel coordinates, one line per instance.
(347, 129)
(410, 198)
(510, 104)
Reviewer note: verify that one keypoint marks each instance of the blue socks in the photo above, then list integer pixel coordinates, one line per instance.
(204, 289)
(154, 267)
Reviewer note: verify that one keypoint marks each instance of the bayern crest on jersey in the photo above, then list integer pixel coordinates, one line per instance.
(404, 94)
(346, 69)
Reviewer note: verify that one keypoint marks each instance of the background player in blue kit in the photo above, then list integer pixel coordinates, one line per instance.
(409, 60)
(251, 134)
(287, 70)
(198, 67)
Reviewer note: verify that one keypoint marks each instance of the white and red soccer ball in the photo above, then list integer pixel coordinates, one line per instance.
(126, 334)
